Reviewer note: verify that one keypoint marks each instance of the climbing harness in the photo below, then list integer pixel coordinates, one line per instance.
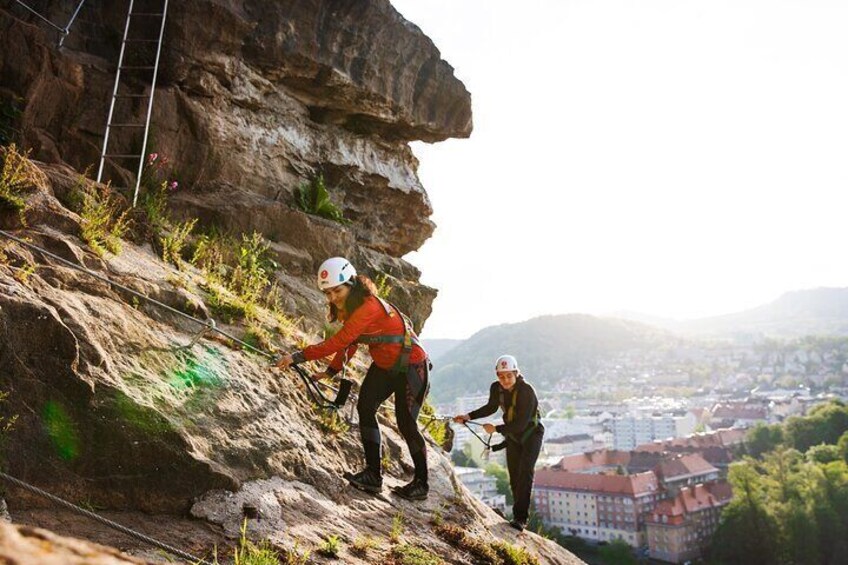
(509, 415)
(105, 521)
(64, 31)
(407, 340)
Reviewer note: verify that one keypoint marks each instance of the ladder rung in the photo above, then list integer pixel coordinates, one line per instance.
(136, 68)
(159, 14)
(132, 96)
(126, 125)
(116, 156)
(132, 40)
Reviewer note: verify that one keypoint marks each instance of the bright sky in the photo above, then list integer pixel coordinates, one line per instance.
(680, 158)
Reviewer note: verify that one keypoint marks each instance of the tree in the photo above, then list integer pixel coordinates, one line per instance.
(843, 447)
(617, 552)
(746, 532)
(495, 470)
(763, 438)
(462, 457)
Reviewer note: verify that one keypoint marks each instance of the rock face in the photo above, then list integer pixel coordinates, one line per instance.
(260, 98)
(23, 544)
(117, 407)
(118, 410)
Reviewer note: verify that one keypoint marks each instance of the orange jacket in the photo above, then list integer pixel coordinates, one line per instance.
(369, 319)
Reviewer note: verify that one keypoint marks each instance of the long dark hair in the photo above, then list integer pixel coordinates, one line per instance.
(361, 287)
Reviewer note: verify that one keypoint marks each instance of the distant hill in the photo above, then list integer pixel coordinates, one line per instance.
(436, 348)
(546, 348)
(820, 311)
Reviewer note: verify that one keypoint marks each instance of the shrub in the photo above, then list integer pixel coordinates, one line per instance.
(331, 422)
(397, 527)
(330, 547)
(248, 553)
(457, 537)
(513, 554)
(103, 221)
(313, 198)
(362, 545)
(238, 270)
(384, 288)
(411, 555)
(174, 243)
(14, 177)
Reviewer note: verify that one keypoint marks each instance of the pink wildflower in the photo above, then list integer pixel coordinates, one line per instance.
(152, 158)
(173, 185)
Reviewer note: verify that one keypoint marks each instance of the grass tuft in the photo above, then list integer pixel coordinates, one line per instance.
(330, 547)
(313, 198)
(104, 222)
(14, 178)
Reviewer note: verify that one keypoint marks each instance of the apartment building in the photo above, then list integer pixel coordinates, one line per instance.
(596, 507)
(484, 487)
(680, 529)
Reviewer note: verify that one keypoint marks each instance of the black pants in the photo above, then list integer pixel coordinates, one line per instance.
(409, 390)
(521, 462)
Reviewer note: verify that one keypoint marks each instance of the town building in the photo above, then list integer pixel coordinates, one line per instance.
(596, 507)
(680, 529)
(484, 487)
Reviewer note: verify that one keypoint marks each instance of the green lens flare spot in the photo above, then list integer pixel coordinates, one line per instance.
(61, 429)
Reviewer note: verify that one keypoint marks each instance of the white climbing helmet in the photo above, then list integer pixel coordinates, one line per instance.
(335, 271)
(506, 363)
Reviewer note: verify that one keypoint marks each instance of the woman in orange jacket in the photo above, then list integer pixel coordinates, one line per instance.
(399, 366)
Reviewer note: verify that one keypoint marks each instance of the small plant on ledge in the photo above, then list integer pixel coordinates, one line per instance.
(313, 198)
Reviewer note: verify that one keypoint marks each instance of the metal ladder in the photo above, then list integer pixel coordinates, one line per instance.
(133, 17)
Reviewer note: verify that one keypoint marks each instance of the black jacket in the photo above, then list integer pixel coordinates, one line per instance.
(525, 415)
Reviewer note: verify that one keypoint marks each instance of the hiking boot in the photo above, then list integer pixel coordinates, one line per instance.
(415, 490)
(366, 480)
(518, 525)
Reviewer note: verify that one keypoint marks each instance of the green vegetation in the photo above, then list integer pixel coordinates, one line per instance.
(362, 545)
(384, 288)
(456, 536)
(436, 428)
(330, 547)
(502, 477)
(175, 241)
(513, 554)
(238, 273)
(411, 555)
(790, 503)
(397, 527)
(104, 222)
(14, 177)
(249, 553)
(313, 198)
(617, 552)
(331, 422)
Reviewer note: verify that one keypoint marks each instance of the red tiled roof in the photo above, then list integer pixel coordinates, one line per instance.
(600, 458)
(634, 485)
(684, 465)
(737, 412)
(692, 499)
(718, 438)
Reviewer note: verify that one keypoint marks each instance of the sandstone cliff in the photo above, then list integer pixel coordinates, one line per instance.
(115, 409)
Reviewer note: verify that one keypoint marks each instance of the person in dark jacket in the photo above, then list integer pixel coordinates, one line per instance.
(522, 429)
